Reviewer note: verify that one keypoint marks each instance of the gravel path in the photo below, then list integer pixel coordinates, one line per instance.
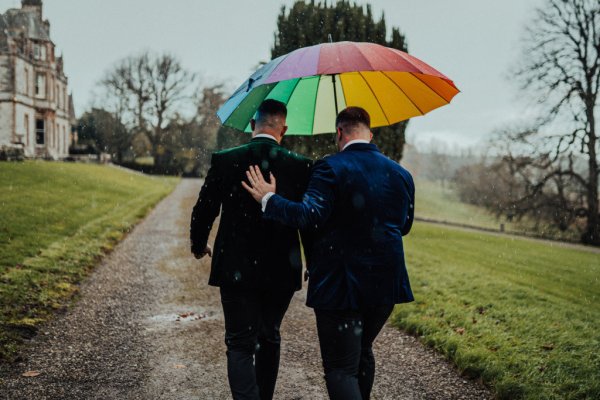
(146, 326)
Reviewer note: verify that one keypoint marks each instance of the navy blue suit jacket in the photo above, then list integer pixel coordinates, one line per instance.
(358, 205)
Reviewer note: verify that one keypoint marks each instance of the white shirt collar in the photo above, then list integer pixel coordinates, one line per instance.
(265, 135)
(355, 141)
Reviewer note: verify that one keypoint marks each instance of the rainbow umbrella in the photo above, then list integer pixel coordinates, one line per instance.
(318, 81)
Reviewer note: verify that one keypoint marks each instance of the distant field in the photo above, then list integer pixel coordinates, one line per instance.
(441, 203)
(56, 219)
(522, 315)
(145, 160)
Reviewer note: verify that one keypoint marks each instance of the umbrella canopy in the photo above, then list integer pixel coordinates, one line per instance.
(318, 81)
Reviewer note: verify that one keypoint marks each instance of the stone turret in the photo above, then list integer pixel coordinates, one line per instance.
(34, 5)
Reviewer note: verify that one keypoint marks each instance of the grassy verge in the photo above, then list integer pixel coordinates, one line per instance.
(523, 316)
(56, 221)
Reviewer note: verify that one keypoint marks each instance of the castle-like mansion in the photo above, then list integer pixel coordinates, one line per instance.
(35, 107)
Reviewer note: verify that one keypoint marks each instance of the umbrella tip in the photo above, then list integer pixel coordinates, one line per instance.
(330, 38)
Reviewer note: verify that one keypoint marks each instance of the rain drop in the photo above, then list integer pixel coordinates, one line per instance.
(358, 201)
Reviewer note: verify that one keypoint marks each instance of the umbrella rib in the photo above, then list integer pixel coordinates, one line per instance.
(293, 89)
(269, 92)
(402, 90)
(376, 98)
(359, 50)
(274, 85)
(312, 130)
(430, 88)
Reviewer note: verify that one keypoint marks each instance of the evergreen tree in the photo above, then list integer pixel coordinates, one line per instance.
(101, 130)
(310, 23)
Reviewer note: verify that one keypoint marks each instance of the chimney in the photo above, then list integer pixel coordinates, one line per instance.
(35, 5)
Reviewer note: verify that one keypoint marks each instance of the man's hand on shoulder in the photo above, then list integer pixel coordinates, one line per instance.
(258, 187)
(207, 250)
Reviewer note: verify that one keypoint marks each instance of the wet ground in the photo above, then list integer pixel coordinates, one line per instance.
(146, 326)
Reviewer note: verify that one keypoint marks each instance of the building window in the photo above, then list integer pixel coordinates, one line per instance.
(26, 125)
(39, 51)
(27, 81)
(40, 131)
(40, 86)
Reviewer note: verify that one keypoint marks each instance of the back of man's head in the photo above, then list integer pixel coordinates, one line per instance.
(353, 119)
(271, 114)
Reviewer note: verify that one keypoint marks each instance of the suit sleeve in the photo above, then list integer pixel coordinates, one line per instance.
(207, 208)
(411, 205)
(316, 205)
(307, 235)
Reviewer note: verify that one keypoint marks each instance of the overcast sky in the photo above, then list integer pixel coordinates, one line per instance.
(474, 42)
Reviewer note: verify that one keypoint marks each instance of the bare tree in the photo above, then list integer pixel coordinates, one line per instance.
(561, 65)
(152, 90)
(208, 105)
(128, 87)
(516, 185)
(170, 84)
(208, 124)
(438, 163)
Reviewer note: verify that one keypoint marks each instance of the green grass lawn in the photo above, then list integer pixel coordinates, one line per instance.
(522, 315)
(56, 221)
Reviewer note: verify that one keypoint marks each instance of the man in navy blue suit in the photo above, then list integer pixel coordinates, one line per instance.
(358, 205)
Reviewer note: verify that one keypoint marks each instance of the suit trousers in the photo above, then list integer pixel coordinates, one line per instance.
(346, 340)
(252, 321)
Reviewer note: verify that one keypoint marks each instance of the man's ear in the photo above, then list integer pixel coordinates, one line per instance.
(252, 124)
(284, 130)
(371, 135)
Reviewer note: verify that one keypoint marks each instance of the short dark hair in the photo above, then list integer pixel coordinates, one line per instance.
(269, 108)
(351, 117)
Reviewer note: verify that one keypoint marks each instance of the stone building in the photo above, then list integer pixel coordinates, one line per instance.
(35, 112)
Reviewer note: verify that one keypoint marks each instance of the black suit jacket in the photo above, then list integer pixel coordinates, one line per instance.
(249, 251)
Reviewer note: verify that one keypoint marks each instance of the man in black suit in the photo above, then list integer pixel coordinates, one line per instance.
(256, 263)
(360, 204)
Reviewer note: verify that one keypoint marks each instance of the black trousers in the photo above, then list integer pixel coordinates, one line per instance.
(346, 340)
(252, 321)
